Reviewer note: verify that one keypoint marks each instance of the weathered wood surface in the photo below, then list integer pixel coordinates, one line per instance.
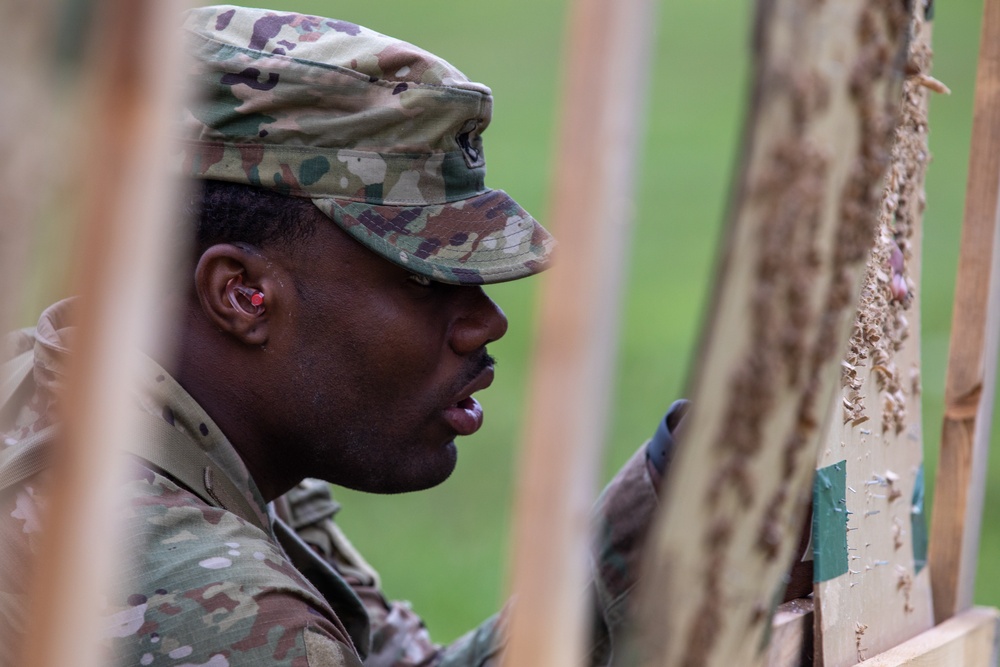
(609, 41)
(969, 639)
(132, 95)
(972, 358)
(825, 102)
(882, 596)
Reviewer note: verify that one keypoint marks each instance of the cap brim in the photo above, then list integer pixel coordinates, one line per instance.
(484, 239)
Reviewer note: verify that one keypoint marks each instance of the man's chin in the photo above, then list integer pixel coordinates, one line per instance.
(417, 474)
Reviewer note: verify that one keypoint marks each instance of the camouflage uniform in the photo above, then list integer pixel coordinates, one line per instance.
(385, 139)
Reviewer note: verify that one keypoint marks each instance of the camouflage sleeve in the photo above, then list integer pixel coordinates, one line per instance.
(399, 637)
(622, 516)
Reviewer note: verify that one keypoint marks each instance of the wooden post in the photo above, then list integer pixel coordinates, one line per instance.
(825, 101)
(132, 100)
(972, 358)
(609, 43)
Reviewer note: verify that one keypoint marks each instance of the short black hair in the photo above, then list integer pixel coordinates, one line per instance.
(225, 212)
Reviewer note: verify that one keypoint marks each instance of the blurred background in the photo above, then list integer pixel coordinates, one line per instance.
(446, 549)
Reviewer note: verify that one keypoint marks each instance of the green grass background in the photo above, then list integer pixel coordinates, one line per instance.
(446, 549)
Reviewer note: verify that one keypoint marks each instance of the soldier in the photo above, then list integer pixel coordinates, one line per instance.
(334, 326)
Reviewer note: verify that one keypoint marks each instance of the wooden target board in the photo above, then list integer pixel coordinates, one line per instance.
(825, 103)
(872, 588)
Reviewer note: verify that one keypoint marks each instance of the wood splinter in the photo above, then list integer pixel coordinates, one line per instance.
(929, 82)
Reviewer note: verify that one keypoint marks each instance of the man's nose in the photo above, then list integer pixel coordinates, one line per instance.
(480, 322)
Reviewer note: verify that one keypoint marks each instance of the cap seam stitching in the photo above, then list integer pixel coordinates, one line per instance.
(364, 78)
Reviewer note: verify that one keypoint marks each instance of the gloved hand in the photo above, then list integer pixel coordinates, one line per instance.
(660, 448)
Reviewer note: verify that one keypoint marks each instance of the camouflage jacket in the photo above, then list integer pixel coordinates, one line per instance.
(283, 586)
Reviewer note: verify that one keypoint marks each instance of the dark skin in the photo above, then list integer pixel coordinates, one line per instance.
(352, 370)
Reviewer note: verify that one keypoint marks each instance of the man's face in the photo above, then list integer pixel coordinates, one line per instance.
(378, 366)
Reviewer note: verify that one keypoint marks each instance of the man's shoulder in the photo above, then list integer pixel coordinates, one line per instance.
(203, 584)
(176, 537)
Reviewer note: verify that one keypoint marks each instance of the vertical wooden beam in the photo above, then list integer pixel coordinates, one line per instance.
(606, 61)
(972, 358)
(825, 101)
(133, 96)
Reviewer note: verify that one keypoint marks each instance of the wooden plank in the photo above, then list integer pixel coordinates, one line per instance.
(609, 41)
(969, 639)
(133, 91)
(881, 595)
(972, 356)
(825, 99)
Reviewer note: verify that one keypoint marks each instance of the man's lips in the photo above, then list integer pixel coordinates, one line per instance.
(465, 415)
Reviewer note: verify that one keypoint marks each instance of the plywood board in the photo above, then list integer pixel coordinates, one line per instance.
(967, 640)
(872, 589)
(825, 101)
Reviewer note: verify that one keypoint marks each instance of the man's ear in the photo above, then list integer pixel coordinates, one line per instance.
(235, 293)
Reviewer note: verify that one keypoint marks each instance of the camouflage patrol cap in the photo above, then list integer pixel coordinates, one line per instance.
(384, 137)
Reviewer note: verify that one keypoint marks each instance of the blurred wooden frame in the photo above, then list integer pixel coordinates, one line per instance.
(127, 91)
(608, 41)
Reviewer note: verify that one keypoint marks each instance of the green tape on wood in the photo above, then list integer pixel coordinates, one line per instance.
(918, 523)
(829, 522)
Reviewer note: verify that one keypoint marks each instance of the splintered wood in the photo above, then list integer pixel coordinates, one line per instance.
(825, 104)
(880, 595)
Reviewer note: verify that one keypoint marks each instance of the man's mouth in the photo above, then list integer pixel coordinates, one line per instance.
(465, 416)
